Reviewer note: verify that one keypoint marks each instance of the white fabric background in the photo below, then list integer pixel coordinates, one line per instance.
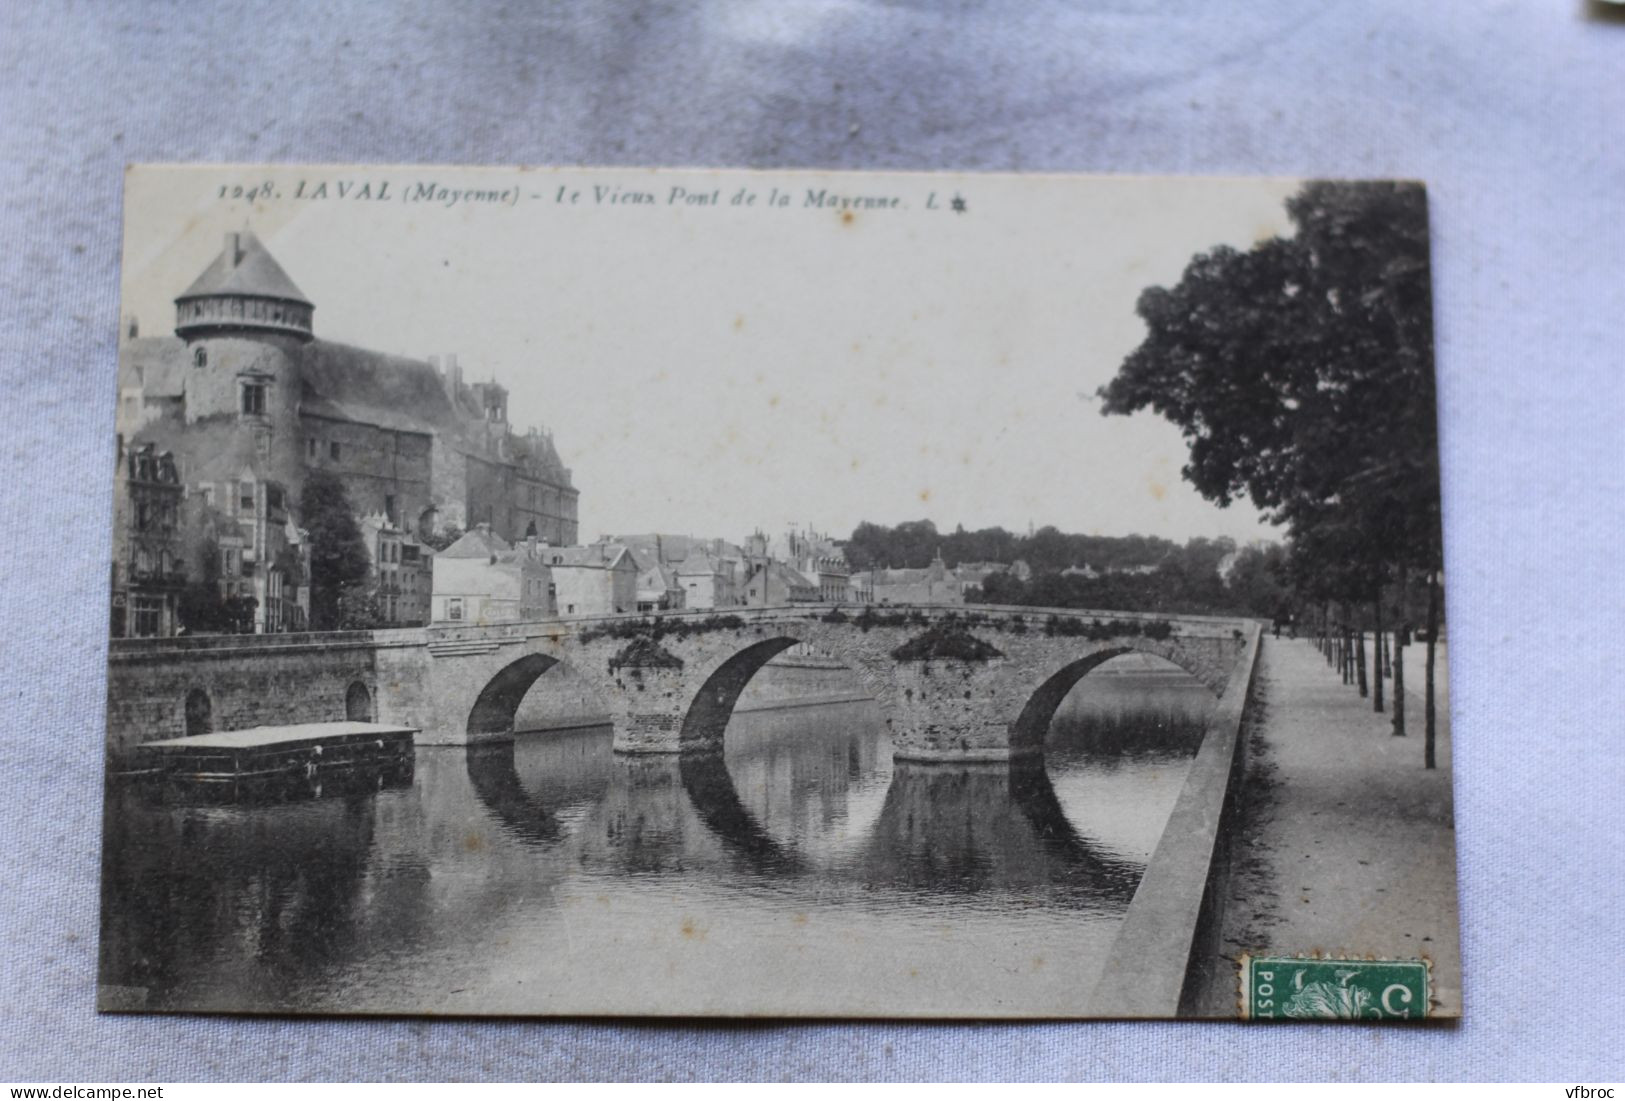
(1514, 112)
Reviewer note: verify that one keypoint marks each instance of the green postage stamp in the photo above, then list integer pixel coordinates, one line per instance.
(1294, 988)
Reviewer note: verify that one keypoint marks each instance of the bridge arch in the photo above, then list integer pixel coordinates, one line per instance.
(1028, 731)
(707, 714)
(499, 700)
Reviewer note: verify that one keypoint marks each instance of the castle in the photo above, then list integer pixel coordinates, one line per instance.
(247, 402)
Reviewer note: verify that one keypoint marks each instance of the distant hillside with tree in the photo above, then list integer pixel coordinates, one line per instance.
(1133, 573)
(913, 543)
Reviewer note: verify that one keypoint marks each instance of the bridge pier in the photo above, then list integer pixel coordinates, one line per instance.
(951, 710)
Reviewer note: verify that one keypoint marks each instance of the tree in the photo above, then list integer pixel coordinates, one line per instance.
(1301, 374)
(1259, 581)
(338, 555)
(445, 537)
(358, 607)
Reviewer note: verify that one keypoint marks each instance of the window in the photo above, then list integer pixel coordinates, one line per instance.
(254, 398)
(333, 450)
(310, 448)
(200, 357)
(143, 516)
(246, 501)
(208, 496)
(149, 612)
(389, 506)
(454, 608)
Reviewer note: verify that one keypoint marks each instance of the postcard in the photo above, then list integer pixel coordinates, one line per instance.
(654, 592)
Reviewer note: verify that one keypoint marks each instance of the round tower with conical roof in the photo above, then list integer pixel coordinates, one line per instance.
(245, 324)
(244, 290)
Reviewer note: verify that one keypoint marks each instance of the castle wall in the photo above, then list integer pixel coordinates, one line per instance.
(403, 438)
(375, 464)
(448, 486)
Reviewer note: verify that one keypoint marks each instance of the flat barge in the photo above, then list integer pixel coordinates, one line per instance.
(232, 761)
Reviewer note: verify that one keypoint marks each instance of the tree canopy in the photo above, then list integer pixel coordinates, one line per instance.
(338, 554)
(1300, 373)
(914, 543)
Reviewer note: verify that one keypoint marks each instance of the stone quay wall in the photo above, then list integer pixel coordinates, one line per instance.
(1168, 943)
(248, 680)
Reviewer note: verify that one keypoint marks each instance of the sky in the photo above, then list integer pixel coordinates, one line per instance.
(718, 367)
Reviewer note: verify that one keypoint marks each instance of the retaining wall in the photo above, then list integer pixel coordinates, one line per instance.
(1168, 943)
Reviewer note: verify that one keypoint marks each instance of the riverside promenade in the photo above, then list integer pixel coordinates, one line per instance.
(1345, 844)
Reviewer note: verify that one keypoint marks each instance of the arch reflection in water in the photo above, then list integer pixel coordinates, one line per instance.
(571, 770)
(567, 792)
(1119, 747)
(990, 828)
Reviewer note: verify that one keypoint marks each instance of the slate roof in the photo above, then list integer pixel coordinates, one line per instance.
(159, 362)
(699, 560)
(675, 547)
(343, 382)
(477, 544)
(790, 577)
(255, 273)
(599, 555)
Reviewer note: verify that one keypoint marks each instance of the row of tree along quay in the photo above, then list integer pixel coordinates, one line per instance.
(1300, 373)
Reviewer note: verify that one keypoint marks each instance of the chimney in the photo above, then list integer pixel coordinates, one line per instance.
(530, 546)
(233, 251)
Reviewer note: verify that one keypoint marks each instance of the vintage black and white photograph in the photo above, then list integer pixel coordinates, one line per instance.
(651, 592)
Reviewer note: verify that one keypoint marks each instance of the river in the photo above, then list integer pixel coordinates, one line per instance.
(803, 872)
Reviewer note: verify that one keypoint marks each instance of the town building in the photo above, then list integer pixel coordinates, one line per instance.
(936, 584)
(246, 559)
(772, 583)
(402, 572)
(601, 579)
(244, 381)
(482, 578)
(657, 587)
(148, 550)
(659, 590)
(708, 580)
(815, 556)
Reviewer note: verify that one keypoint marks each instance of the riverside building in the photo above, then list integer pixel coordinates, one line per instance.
(418, 449)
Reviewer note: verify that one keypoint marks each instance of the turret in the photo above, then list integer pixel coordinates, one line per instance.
(246, 325)
(244, 290)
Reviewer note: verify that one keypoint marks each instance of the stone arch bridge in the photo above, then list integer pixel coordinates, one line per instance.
(963, 684)
(975, 683)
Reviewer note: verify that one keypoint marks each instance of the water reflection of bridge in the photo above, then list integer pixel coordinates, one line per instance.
(938, 828)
